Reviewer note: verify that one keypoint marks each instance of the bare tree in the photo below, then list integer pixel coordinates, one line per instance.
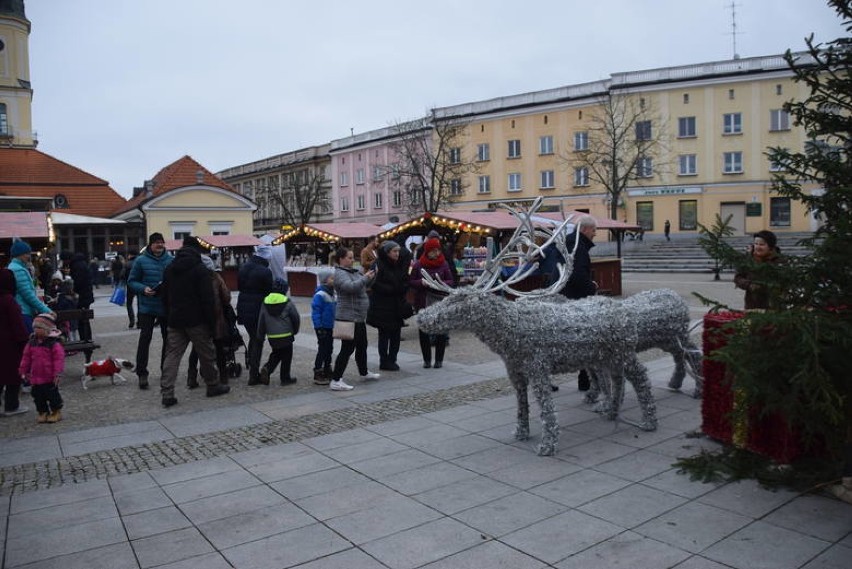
(431, 165)
(303, 195)
(622, 146)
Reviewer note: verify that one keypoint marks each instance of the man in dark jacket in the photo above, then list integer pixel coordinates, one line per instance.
(255, 282)
(145, 278)
(580, 283)
(188, 302)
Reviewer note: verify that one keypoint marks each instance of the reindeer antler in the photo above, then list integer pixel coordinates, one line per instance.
(523, 249)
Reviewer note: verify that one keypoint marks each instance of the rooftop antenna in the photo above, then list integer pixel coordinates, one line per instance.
(734, 32)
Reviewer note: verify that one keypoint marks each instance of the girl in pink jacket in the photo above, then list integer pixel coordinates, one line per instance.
(42, 363)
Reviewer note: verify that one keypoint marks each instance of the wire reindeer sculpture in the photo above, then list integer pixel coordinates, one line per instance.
(537, 338)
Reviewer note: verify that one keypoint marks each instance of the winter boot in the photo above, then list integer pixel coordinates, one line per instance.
(42, 418)
(143, 382)
(321, 377)
(54, 417)
(264, 376)
(192, 380)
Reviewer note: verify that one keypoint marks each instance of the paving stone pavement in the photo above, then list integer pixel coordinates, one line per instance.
(417, 469)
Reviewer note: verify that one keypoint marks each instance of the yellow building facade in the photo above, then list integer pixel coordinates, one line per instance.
(712, 125)
(16, 94)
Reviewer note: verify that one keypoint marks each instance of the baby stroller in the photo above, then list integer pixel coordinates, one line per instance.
(232, 342)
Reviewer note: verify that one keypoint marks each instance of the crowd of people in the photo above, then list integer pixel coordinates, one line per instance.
(184, 296)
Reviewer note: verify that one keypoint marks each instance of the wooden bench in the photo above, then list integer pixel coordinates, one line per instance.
(85, 346)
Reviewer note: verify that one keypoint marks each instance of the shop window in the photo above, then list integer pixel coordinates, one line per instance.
(688, 215)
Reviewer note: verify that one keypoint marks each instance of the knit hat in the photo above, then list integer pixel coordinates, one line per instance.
(57, 276)
(389, 246)
(263, 251)
(431, 244)
(20, 247)
(194, 243)
(324, 274)
(156, 237)
(45, 321)
(434, 234)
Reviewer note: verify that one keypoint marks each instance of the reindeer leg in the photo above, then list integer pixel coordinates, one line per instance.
(522, 429)
(549, 425)
(637, 375)
(595, 389)
(694, 357)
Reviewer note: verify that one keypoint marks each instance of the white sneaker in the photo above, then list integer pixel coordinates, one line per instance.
(370, 375)
(17, 411)
(339, 385)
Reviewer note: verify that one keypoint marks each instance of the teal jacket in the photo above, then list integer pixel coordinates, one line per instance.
(25, 291)
(149, 270)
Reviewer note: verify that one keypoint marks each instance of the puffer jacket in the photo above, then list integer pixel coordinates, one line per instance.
(278, 317)
(255, 282)
(387, 294)
(323, 307)
(350, 287)
(25, 291)
(580, 284)
(149, 271)
(43, 360)
(188, 292)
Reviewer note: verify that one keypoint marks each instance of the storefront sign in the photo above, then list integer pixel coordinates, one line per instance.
(754, 209)
(649, 192)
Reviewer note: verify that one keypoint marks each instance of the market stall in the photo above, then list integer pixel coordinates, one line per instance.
(33, 227)
(230, 251)
(310, 247)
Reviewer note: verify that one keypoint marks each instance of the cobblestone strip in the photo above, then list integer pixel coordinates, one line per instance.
(131, 459)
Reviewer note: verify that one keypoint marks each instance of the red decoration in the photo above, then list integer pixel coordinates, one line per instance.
(427, 215)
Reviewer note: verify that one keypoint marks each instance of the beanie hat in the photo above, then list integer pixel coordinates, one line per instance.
(431, 244)
(155, 237)
(45, 321)
(389, 246)
(57, 276)
(263, 251)
(19, 247)
(324, 274)
(193, 243)
(208, 262)
(434, 234)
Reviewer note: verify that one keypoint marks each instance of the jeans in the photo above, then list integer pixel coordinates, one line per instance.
(389, 345)
(11, 400)
(146, 325)
(325, 349)
(358, 345)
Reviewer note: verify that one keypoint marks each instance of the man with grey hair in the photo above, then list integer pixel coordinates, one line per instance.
(580, 284)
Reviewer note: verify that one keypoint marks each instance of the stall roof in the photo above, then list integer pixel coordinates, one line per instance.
(26, 225)
(331, 231)
(470, 221)
(219, 241)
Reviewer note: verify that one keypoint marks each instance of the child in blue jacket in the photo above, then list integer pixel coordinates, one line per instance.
(323, 307)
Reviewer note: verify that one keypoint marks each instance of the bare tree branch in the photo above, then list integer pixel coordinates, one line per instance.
(304, 195)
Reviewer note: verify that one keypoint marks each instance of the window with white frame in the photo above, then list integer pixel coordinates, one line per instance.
(515, 182)
(483, 152)
(180, 230)
(377, 173)
(643, 130)
(514, 149)
(732, 123)
(779, 119)
(547, 180)
(455, 187)
(732, 163)
(687, 165)
(455, 155)
(4, 124)
(545, 145)
(360, 202)
(581, 176)
(396, 198)
(644, 167)
(581, 140)
(219, 227)
(344, 204)
(377, 200)
(395, 171)
(776, 166)
(344, 178)
(484, 185)
(686, 127)
(359, 176)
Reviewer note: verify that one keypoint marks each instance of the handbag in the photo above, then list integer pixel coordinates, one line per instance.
(343, 330)
(119, 295)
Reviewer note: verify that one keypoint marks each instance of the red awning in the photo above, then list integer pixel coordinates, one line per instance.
(25, 225)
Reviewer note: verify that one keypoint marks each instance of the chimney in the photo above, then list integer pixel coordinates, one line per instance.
(149, 188)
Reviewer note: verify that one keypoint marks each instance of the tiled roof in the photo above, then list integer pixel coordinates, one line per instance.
(26, 172)
(178, 174)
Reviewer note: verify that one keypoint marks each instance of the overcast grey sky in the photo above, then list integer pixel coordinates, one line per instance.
(125, 87)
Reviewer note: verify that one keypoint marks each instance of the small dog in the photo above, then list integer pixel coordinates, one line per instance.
(109, 367)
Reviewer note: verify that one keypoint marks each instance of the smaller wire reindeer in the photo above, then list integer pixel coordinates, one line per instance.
(537, 338)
